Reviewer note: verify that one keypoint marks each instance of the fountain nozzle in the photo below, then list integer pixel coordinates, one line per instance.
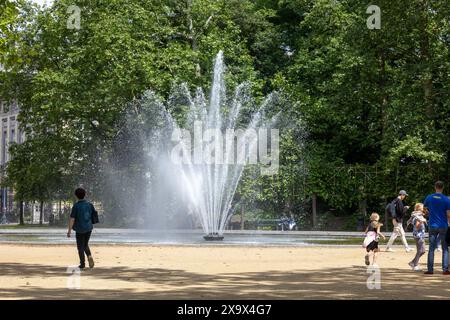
(213, 237)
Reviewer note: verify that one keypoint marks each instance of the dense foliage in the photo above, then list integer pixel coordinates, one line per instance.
(370, 109)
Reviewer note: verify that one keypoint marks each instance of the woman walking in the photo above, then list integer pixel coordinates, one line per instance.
(418, 221)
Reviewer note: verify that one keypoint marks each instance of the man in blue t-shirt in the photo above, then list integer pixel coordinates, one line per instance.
(438, 206)
(81, 222)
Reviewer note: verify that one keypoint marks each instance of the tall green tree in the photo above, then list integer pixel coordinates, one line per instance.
(8, 13)
(363, 100)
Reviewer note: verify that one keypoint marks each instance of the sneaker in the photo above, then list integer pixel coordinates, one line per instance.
(446, 273)
(367, 260)
(389, 250)
(409, 249)
(417, 268)
(91, 262)
(411, 264)
(82, 266)
(428, 272)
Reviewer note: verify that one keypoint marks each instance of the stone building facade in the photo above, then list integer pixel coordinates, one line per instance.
(11, 133)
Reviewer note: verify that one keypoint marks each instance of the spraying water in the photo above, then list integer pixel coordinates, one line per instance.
(194, 163)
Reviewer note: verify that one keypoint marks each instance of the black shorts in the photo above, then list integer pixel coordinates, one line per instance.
(373, 246)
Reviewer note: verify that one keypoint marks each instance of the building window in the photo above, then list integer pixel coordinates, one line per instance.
(4, 147)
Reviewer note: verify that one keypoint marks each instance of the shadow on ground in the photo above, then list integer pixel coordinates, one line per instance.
(156, 283)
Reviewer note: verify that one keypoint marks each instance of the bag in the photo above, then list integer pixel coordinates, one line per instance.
(409, 226)
(94, 215)
(370, 237)
(390, 209)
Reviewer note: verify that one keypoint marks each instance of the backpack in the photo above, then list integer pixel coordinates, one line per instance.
(390, 209)
(410, 224)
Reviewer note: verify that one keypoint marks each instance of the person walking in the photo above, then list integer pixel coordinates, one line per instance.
(438, 207)
(81, 222)
(418, 221)
(397, 211)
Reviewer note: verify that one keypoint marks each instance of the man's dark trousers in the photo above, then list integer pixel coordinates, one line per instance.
(83, 245)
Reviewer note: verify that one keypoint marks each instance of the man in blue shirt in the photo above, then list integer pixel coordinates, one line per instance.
(81, 222)
(438, 206)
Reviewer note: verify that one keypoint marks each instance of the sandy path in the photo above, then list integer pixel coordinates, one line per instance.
(188, 272)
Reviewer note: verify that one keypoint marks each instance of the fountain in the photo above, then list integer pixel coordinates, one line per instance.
(211, 183)
(200, 174)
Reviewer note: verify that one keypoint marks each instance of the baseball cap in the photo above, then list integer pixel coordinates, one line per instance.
(402, 193)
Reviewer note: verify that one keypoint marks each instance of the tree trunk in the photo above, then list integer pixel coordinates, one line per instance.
(41, 213)
(363, 213)
(21, 220)
(242, 218)
(314, 210)
(192, 36)
(427, 82)
(59, 211)
(384, 96)
(386, 221)
(363, 207)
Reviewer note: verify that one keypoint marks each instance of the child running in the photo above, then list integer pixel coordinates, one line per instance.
(418, 221)
(372, 237)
